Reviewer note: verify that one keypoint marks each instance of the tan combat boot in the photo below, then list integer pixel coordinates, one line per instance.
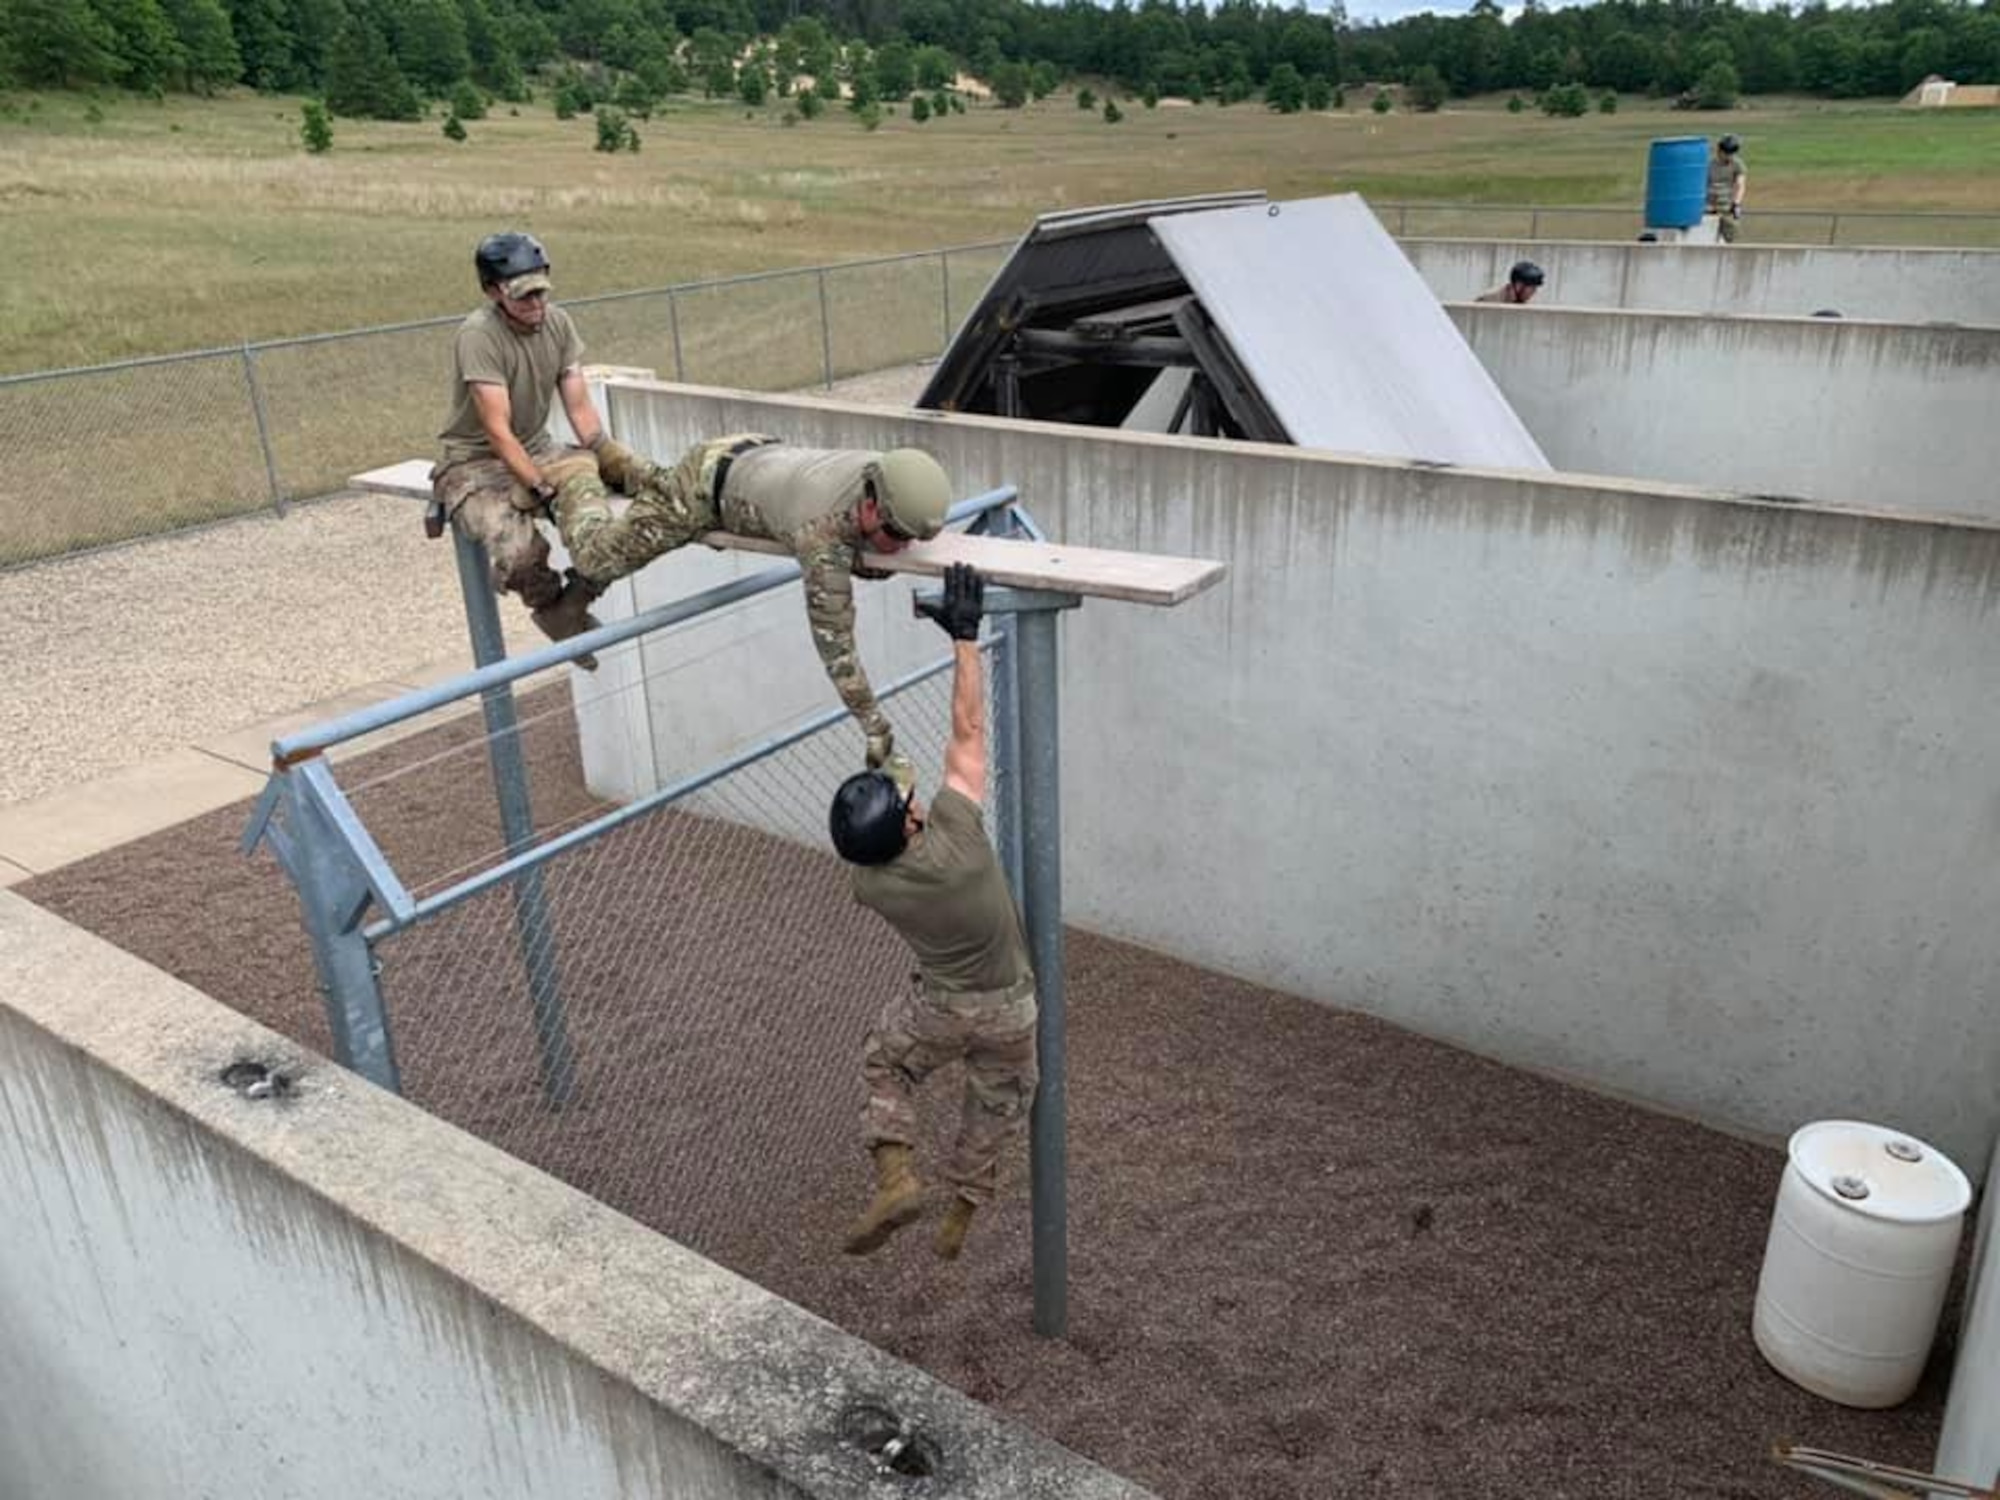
(569, 614)
(899, 1198)
(951, 1233)
(620, 467)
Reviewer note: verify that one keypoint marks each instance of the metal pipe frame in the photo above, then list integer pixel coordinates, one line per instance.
(322, 737)
(339, 871)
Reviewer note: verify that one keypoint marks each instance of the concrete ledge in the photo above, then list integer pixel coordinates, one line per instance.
(333, 1285)
(57, 830)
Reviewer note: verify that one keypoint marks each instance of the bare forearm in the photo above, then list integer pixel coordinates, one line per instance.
(507, 448)
(968, 693)
(576, 403)
(965, 756)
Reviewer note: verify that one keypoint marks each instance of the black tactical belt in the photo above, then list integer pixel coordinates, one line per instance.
(722, 465)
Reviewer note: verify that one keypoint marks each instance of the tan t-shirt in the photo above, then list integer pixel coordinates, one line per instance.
(946, 895)
(488, 350)
(1722, 174)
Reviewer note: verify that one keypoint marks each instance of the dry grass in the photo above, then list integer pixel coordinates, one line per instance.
(191, 224)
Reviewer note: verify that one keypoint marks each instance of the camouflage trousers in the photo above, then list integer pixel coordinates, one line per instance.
(490, 506)
(669, 509)
(920, 1031)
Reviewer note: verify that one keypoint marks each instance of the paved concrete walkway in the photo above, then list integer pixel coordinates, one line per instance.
(149, 680)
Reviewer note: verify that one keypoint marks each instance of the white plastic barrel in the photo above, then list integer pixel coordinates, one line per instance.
(1969, 1446)
(1858, 1259)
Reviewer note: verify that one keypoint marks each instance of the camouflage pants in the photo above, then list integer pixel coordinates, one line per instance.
(920, 1031)
(669, 509)
(486, 503)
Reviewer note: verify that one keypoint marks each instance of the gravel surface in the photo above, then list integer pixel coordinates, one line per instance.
(1311, 1254)
(125, 654)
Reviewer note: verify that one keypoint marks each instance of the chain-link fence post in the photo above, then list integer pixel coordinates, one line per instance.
(944, 290)
(1534, 223)
(263, 429)
(1833, 229)
(825, 334)
(674, 323)
(532, 922)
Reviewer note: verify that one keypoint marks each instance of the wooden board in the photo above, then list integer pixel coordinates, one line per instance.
(1096, 572)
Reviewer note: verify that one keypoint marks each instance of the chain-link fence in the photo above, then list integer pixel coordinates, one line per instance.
(116, 452)
(668, 1013)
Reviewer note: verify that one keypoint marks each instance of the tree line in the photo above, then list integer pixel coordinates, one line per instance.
(386, 58)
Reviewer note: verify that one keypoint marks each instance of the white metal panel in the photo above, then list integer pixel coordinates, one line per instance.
(1340, 333)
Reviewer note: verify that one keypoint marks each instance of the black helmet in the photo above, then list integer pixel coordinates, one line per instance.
(867, 818)
(1729, 145)
(1527, 273)
(502, 257)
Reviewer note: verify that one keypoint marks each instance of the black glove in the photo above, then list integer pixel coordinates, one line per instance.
(1735, 210)
(964, 604)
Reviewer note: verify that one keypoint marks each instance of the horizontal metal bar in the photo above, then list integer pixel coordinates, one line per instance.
(430, 906)
(319, 737)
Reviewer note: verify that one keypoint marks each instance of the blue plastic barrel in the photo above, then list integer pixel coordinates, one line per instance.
(1676, 182)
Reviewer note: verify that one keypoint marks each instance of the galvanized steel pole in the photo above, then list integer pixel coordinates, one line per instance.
(332, 895)
(517, 823)
(1034, 633)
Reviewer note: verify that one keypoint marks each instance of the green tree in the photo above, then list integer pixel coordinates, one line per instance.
(895, 69)
(920, 109)
(429, 43)
(1565, 101)
(1150, 95)
(315, 127)
(454, 128)
(933, 67)
(466, 100)
(1285, 91)
(1607, 103)
(810, 104)
(1086, 99)
(1010, 85)
(942, 103)
(1042, 79)
(1319, 93)
(753, 85)
(265, 39)
(58, 43)
(869, 115)
(1427, 89)
(1717, 87)
(144, 42)
(1381, 103)
(1112, 113)
(209, 59)
(615, 132)
(362, 79)
(1515, 104)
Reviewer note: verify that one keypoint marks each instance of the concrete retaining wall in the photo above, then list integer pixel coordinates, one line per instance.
(1858, 413)
(1887, 286)
(1685, 796)
(331, 1294)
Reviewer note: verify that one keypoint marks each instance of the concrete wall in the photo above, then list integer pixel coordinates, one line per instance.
(331, 1294)
(1686, 796)
(1885, 286)
(1859, 413)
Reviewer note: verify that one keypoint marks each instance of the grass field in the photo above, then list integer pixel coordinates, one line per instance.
(188, 224)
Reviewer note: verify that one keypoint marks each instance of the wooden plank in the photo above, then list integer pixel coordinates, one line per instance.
(410, 479)
(1096, 572)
